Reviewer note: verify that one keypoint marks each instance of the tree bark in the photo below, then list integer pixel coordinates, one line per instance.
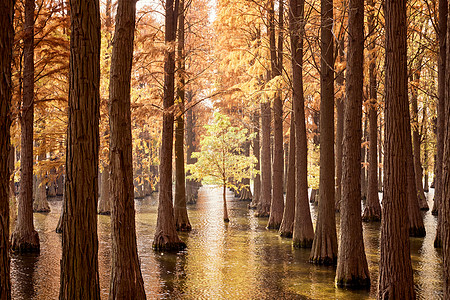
(6, 43)
(363, 162)
(181, 216)
(352, 269)
(263, 208)
(126, 277)
(79, 263)
(287, 224)
(396, 276)
(104, 202)
(24, 237)
(225, 209)
(256, 153)
(324, 248)
(40, 203)
(303, 232)
(192, 186)
(339, 128)
(426, 187)
(277, 203)
(372, 211)
(166, 237)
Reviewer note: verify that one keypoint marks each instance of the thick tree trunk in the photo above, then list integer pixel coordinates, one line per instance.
(24, 237)
(12, 189)
(126, 277)
(339, 128)
(287, 224)
(6, 41)
(352, 269)
(380, 157)
(277, 203)
(104, 202)
(79, 263)
(303, 232)
(396, 276)
(324, 248)
(372, 211)
(225, 209)
(256, 153)
(40, 203)
(418, 171)
(263, 208)
(181, 217)
(442, 28)
(166, 237)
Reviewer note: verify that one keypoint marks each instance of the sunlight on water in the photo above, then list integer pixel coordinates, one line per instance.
(239, 260)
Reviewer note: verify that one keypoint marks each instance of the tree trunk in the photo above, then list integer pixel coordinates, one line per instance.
(181, 217)
(339, 128)
(256, 152)
(12, 189)
(266, 168)
(192, 186)
(287, 224)
(79, 263)
(426, 187)
(24, 237)
(363, 162)
(104, 202)
(6, 43)
(396, 276)
(225, 210)
(126, 277)
(372, 211)
(418, 171)
(324, 248)
(60, 184)
(40, 203)
(166, 237)
(303, 232)
(442, 28)
(245, 193)
(380, 158)
(277, 203)
(352, 270)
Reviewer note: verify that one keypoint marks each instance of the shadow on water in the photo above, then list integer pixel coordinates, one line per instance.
(239, 260)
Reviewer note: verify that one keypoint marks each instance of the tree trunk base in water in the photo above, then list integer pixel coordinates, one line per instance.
(28, 243)
(417, 231)
(246, 195)
(104, 213)
(305, 243)
(371, 214)
(183, 226)
(323, 260)
(286, 233)
(273, 225)
(356, 283)
(41, 207)
(166, 243)
(435, 210)
(261, 214)
(226, 220)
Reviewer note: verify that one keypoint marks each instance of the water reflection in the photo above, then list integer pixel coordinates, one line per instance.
(241, 260)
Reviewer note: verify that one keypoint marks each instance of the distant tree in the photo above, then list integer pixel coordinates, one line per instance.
(79, 263)
(221, 160)
(6, 40)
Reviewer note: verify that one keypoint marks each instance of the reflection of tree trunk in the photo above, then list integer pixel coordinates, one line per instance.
(166, 237)
(24, 237)
(324, 248)
(256, 153)
(396, 275)
(303, 232)
(6, 40)
(104, 203)
(79, 263)
(352, 269)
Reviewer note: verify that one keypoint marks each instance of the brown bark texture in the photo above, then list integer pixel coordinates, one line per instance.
(256, 153)
(24, 237)
(192, 186)
(104, 201)
(6, 41)
(79, 263)
(352, 269)
(324, 248)
(339, 129)
(263, 208)
(126, 278)
(372, 211)
(303, 232)
(226, 219)
(396, 276)
(181, 217)
(166, 237)
(40, 203)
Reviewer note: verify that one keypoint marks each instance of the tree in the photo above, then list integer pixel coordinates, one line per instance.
(181, 217)
(221, 160)
(79, 263)
(126, 277)
(372, 211)
(324, 248)
(6, 41)
(166, 237)
(303, 232)
(352, 270)
(396, 277)
(24, 237)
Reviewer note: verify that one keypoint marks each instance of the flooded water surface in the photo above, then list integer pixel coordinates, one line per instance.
(239, 260)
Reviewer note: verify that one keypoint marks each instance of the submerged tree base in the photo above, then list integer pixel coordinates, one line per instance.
(226, 220)
(28, 243)
(42, 209)
(417, 231)
(185, 227)
(304, 243)
(371, 214)
(326, 260)
(273, 225)
(356, 283)
(286, 233)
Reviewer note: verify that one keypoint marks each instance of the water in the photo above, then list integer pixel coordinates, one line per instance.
(239, 260)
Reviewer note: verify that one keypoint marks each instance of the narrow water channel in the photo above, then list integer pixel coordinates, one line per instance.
(241, 260)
